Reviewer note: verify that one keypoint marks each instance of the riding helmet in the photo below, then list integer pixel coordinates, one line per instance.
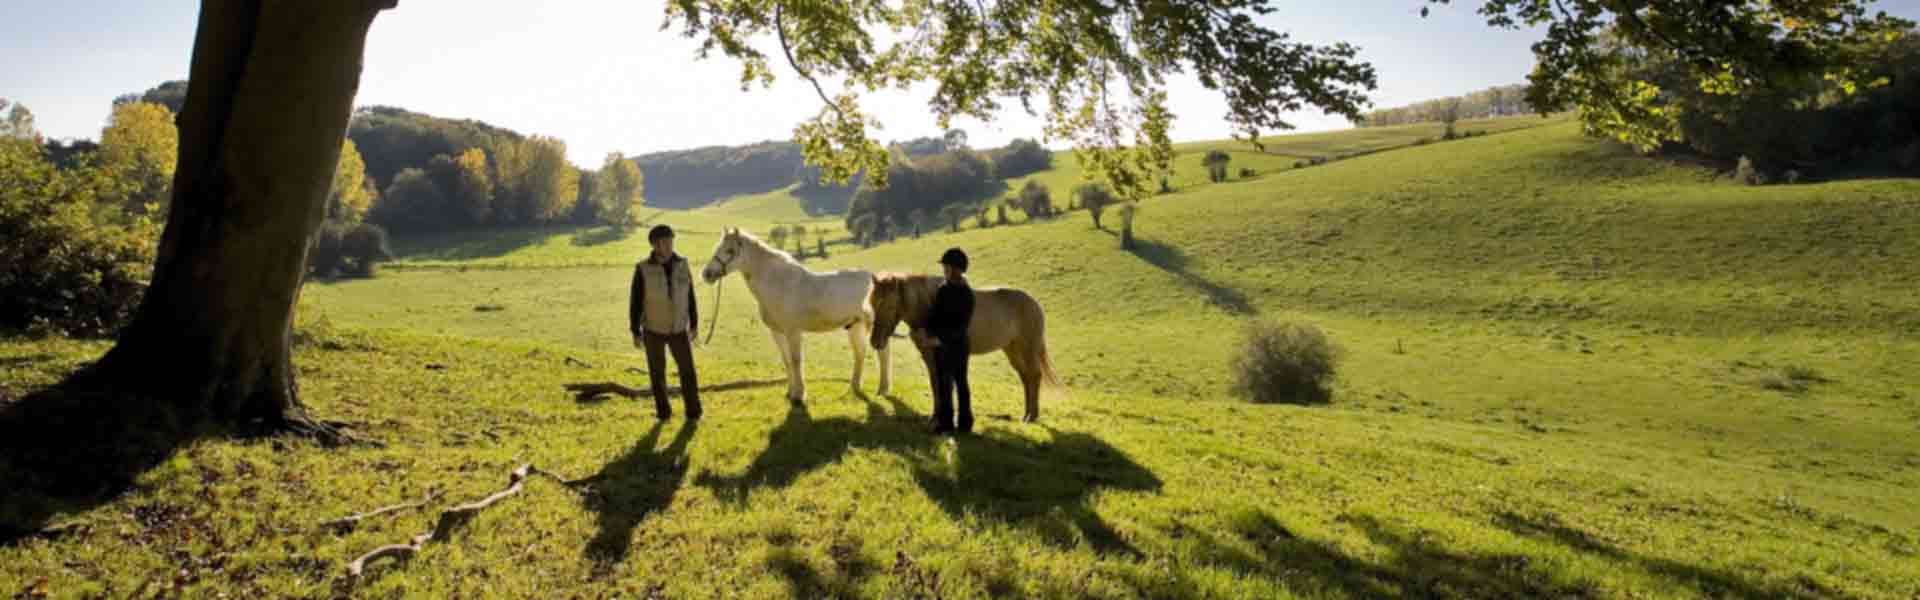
(955, 258)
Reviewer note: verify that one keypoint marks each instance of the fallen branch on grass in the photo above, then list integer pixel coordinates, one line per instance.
(349, 521)
(450, 519)
(579, 363)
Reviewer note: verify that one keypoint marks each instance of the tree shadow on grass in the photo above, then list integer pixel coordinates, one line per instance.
(601, 235)
(1707, 580)
(1175, 262)
(473, 245)
(1044, 486)
(638, 484)
(1413, 564)
(76, 445)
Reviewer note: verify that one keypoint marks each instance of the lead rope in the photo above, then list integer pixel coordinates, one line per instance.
(713, 323)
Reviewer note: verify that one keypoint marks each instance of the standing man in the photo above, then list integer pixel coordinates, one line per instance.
(662, 315)
(947, 323)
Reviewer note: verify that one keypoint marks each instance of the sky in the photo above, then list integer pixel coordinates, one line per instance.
(602, 76)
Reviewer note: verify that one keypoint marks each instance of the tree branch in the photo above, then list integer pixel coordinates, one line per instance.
(349, 521)
(451, 519)
(780, 29)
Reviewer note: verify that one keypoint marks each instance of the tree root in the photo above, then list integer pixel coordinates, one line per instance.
(453, 518)
(331, 434)
(348, 522)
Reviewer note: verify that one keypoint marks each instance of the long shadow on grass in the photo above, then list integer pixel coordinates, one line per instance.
(1044, 486)
(473, 245)
(634, 486)
(601, 235)
(1413, 564)
(1175, 262)
(1708, 581)
(76, 445)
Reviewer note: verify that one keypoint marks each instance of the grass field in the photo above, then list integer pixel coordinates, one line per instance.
(1558, 380)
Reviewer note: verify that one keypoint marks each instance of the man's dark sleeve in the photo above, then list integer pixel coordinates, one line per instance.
(636, 300)
(693, 304)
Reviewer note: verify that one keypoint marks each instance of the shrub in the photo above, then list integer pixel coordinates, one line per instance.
(1422, 141)
(1246, 172)
(1284, 362)
(326, 257)
(1036, 200)
(1096, 198)
(1299, 164)
(1908, 158)
(62, 272)
(1748, 174)
(362, 248)
(1216, 162)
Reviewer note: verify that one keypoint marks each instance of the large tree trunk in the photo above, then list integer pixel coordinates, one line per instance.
(272, 88)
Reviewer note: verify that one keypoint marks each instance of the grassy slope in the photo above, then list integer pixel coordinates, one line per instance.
(1549, 389)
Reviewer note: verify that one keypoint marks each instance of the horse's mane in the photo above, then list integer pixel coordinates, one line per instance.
(762, 246)
(918, 289)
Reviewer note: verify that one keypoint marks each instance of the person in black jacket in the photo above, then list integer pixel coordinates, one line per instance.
(662, 315)
(947, 322)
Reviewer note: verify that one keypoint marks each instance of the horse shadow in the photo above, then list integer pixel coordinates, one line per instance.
(1043, 486)
(1174, 262)
(631, 488)
(76, 445)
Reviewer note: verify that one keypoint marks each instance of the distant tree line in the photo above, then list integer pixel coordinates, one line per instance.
(1499, 101)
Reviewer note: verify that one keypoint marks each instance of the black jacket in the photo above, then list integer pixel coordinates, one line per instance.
(952, 310)
(637, 300)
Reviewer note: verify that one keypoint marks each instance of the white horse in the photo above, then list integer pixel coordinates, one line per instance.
(794, 300)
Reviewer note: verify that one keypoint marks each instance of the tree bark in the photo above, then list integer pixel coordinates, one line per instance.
(273, 83)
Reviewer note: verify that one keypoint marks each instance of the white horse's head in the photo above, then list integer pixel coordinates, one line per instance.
(732, 246)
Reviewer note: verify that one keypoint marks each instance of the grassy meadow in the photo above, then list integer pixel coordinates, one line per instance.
(1567, 371)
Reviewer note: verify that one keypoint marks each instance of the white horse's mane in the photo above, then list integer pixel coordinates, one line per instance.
(764, 248)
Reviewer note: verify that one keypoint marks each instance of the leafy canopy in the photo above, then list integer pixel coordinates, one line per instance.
(1096, 69)
(1737, 47)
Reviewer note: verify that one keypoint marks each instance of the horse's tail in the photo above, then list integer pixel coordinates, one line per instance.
(1040, 358)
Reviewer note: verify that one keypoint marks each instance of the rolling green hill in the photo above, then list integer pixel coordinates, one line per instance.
(1562, 377)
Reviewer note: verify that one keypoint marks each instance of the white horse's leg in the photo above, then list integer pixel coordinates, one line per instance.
(794, 341)
(786, 357)
(857, 339)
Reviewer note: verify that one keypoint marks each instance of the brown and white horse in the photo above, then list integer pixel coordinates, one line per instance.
(1004, 319)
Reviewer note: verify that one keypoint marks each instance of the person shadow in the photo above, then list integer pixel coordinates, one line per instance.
(631, 488)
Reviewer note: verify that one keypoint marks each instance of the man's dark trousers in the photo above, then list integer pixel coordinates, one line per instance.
(950, 372)
(657, 345)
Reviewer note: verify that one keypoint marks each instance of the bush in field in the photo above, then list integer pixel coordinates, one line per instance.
(1216, 162)
(1748, 174)
(325, 258)
(1096, 198)
(62, 270)
(1284, 362)
(362, 248)
(1036, 200)
(1246, 172)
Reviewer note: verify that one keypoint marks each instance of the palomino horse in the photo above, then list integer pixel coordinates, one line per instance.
(1004, 319)
(794, 300)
